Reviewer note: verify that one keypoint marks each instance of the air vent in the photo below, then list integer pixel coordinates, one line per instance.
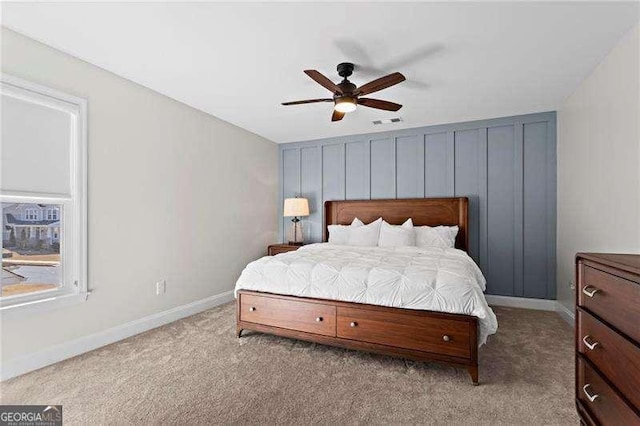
(388, 121)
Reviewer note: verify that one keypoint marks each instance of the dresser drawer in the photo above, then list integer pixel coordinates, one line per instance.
(600, 399)
(408, 331)
(614, 299)
(616, 357)
(314, 318)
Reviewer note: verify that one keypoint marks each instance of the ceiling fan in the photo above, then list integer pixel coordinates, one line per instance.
(346, 96)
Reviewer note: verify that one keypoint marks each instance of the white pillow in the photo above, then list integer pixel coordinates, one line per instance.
(339, 234)
(438, 236)
(397, 235)
(365, 236)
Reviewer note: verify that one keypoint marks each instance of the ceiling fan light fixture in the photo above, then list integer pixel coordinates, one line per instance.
(345, 104)
(347, 96)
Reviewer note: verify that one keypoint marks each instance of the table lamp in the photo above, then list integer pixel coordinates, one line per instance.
(296, 207)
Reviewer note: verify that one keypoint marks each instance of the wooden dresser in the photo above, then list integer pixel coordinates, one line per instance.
(608, 338)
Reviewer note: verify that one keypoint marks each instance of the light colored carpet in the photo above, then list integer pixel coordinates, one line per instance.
(196, 371)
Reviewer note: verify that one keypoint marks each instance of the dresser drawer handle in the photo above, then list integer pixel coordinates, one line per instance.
(446, 338)
(591, 292)
(251, 309)
(319, 319)
(591, 397)
(353, 324)
(591, 346)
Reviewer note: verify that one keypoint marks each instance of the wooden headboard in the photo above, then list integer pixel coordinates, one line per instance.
(423, 211)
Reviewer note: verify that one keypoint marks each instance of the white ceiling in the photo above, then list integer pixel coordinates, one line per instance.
(463, 61)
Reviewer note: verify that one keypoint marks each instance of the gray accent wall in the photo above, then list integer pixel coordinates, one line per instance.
(506, 166)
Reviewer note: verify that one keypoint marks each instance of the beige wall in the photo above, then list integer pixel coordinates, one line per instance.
(174, 194)
(599, 163)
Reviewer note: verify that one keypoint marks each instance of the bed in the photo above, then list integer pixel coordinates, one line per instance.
(425, 304)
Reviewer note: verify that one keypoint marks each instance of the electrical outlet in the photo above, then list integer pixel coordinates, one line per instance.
(161, 287)
(572, 286)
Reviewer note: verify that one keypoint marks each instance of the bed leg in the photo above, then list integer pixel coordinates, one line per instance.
(473, 372)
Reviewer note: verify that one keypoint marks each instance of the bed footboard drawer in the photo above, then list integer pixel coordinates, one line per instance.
(406, 330)
(317, 318)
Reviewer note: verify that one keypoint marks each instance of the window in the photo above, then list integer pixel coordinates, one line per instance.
(43, 195)
(30, 214)
(52, 214)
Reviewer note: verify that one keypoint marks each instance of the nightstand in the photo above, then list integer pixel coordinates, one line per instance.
(281, 248)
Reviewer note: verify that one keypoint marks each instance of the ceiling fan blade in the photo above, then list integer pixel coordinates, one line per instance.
(323, 81)
(307, 101)
(380, 83)
(337, 115)
(379, 104)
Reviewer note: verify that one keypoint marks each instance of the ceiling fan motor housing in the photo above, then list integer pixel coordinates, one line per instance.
(347, 88)
(345, 69)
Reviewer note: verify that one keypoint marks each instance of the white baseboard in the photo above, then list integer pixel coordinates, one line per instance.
(566, 314)
(60, 352)
(537, 304)
(522, 302)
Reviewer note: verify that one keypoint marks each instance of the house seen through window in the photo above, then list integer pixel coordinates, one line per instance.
(31, 248)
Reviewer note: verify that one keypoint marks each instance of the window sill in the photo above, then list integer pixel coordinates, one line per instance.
(42, 305)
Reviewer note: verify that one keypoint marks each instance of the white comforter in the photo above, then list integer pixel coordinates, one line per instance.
(435, 279)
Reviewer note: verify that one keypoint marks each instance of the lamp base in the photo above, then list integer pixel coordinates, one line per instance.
(295, 232)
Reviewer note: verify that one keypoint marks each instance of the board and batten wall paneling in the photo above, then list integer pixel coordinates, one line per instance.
(505, 166)
(290, 174)
(383, 168)
(410, 176)
(467, 181)
(311, 184)
(436, 172)
(358, 180)
(501, 221)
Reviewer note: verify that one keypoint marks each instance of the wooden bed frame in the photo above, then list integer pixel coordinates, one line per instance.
(408, 333)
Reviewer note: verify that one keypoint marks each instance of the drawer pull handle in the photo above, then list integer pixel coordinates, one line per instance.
(590, 397)
(251, 309)
(591, 346)
(446, 338)
(353, 324)
(591, 292)
(319, 319)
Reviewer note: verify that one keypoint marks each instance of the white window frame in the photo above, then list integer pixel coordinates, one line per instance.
(53, 213)
(30, 214)
(73, 206)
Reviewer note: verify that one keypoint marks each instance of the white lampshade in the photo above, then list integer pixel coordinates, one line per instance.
(296, 207)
